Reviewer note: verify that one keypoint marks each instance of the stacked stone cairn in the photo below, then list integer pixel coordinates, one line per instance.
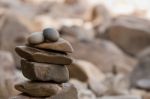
(44, 62)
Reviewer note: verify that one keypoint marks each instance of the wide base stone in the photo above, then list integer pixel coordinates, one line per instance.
(68, 92)
(44, 72)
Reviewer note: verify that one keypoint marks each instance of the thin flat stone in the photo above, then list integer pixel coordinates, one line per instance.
(61, 45)
(36, 55)
(38, 89)
(44, 72)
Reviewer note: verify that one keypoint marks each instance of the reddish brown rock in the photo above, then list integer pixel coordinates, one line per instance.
(37, 55)
(44, 72)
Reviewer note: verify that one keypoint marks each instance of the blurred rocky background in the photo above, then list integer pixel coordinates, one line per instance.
(111, 39)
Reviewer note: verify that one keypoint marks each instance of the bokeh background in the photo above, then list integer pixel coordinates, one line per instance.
(111, 40)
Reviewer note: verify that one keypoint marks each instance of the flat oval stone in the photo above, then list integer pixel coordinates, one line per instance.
(143, 84)
(36, 55)
(44, 72)
(51, 34)
(38, 89)
(36, 38)
(61, 45)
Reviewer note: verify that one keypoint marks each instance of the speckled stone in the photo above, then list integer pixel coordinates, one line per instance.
(51, 34)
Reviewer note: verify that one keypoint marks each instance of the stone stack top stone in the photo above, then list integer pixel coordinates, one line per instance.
(49, 40)
(51, 34)
(44, 62)
(61, 45)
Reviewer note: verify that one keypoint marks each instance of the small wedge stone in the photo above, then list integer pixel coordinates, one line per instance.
(61, 45)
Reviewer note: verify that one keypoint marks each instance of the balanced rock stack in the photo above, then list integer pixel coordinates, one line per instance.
(45, 60)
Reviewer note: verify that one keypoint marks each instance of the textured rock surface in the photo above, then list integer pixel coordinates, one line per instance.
(44, 72)
(61, 45)
(37, 55)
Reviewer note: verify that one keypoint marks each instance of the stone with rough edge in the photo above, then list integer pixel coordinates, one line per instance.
(36, 55)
